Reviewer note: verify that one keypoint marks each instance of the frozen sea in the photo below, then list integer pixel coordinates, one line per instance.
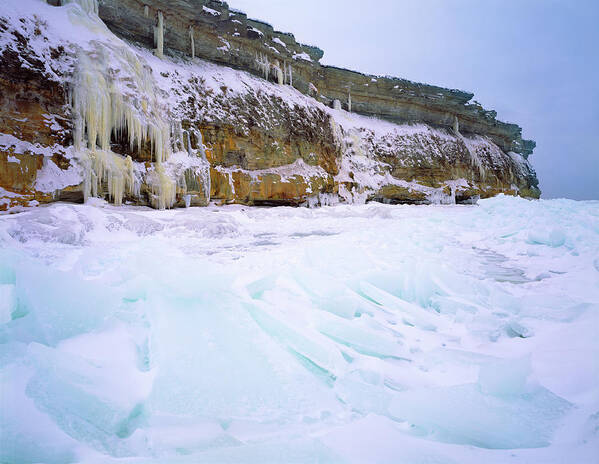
(366, 334)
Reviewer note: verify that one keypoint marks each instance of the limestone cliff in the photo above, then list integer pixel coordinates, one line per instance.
(174, 103)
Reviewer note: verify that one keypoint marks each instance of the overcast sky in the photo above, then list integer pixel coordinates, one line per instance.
(536, 62)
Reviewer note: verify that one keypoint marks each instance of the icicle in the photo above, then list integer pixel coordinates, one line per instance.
(164, 189)
(146, 11)
(263, 64)
(204, 171)
(456, 125)
(193, 45)
(118, 173)
(279, 73)
(337, 105)
(287, 74)
(475, 160)
(159, 36)
(177, 136)
(201, 147)
(206, 180)
(106, 103)
(189, 150)
(266, 66)
(100, 109)
(349, 101)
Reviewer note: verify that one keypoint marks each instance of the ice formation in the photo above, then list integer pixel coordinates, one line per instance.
(159, 36)
(116, 171)
(89, 6)
(114, 97)
(164, 187)
(263, 64)
(282, 71)
(456, 125)
(201, 148)
(349, 101)
(368, 333)
(322, 199)
(289, 74)
(103, 107)
(193, 46)
(337, 105)
(279, 73)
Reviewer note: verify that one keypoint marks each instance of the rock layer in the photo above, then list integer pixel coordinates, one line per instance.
(229, 37)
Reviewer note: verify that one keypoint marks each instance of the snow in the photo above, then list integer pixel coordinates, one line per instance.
(286, 172)
(373, 333)
(226, 46)
(210, 11)
(6, 194)
(51, 178)
(20, 147)
(253, 29)
(279, 41)
(302, 56)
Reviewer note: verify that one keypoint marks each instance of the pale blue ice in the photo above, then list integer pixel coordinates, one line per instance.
(369, 333)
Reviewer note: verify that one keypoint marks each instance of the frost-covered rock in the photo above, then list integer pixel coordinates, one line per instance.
(106, 118)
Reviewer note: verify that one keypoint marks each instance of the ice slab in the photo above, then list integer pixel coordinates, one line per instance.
(148, 336)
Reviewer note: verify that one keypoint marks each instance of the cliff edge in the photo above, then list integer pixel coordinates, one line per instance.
(176, 103)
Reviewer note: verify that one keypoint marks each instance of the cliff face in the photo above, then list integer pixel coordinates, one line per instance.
(253, 118)
(228, 37)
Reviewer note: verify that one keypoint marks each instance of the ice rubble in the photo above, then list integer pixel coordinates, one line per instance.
(343, 334)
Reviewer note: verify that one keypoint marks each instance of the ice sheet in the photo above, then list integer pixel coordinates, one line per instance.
(370, 333)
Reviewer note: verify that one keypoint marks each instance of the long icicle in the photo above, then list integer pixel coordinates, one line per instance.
(193, 45)
(159, 36)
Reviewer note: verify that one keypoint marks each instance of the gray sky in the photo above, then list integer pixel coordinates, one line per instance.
(536, 62)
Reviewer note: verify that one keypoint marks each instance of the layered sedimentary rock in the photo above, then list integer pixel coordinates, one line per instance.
(198, 102)
(228, 37)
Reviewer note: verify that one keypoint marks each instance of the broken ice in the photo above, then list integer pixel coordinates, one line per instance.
(353, 334)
